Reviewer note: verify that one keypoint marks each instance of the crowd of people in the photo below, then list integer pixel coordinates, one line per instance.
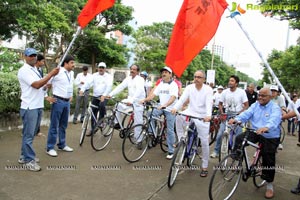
(263, 109)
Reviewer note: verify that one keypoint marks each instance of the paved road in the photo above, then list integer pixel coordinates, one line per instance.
(86, 174)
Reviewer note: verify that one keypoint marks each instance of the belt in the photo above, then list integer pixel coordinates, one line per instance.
(64, 99)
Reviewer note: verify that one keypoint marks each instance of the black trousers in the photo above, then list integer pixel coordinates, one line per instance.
(268, 152)
(101, 108)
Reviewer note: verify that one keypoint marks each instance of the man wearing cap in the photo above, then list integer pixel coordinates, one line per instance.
(217, 95)
(167, 90)
(32, 96)
(136, 92)
(81, 78)
(148, 84)
(62, 90)
(276, 98)
(102, 83)
(200, 97)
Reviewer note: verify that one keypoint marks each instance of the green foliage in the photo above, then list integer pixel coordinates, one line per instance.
(9, 60)
(292, 15)
(286, 66)
(9, 93)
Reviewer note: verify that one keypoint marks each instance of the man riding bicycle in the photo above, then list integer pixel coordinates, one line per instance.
(265, 117)
(200, 97)
(167, 90)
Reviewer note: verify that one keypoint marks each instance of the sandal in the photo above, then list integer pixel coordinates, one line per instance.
(204, 173)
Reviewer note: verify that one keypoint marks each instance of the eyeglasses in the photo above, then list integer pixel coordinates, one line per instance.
(198, 77)
(32, 55)
(263, 95)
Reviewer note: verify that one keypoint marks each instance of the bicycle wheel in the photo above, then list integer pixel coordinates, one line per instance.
(193, 152)
(134, 148)
(257, 172)
(282, 133)
(85, 125)
(163, 141)
(177, 163)
(225, 178)
(213, 131)
(224, 150)
(102, 134)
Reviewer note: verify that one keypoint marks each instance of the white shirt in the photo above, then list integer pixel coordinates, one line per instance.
(102, 84)
(216, 98)
(62, 83)
(165, 91)
(82, 78)
(135, 86)
(233, 101)
(31, 98)
(200, 101)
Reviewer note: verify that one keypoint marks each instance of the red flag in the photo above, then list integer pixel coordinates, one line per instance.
(196, 24)
(91, 9)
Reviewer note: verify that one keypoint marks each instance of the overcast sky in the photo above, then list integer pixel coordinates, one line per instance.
(267, 33)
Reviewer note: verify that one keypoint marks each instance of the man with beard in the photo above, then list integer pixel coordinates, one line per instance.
(235, 101)
(32, 96)
(135, 84)
(167, 90)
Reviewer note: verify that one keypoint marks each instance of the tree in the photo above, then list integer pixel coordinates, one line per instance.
(9, 60)
(292, 15)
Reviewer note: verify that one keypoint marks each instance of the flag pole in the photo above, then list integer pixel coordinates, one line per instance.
(70, 45)
(267, 65)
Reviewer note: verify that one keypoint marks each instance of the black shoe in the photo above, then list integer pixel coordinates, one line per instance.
(139, 146)
(117, 126)
(74, 121)
(296, 190)
(81, 121)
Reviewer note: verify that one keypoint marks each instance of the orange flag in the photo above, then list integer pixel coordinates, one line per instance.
(91, 9)
(196, 24)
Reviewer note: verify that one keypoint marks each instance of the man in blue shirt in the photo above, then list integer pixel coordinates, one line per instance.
(265, 117)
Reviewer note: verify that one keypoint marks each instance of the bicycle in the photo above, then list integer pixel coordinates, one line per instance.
(86, 121)
(105, 127)
(187, 149)
(227, 138)
(134, 148)
(233, 167)
(214, 128)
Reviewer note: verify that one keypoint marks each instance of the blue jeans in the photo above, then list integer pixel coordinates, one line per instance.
(170, 118)
(59, 122)
(30, 126)
(217, 148)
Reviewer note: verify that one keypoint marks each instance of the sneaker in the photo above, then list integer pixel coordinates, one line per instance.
(32, 166)
(169, 156)
(117, 126)
(295, 190)
(280, 147)
(52, 153)
(67, 149)
(22, 161)
(214, 155)
(88, 134)
(74, 121)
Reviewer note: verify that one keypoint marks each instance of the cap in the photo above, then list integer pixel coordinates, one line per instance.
(220, 87)
(274, 87)
(167, 69)
(30, 51)
(144, 73)
(102, 64)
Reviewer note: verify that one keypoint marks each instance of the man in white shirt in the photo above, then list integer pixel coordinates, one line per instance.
(80, 80)
(167, 90)
(102, 84)
(235, 101)
(136, 92)
(200, 97)
(148, 83)
(62, 89)
(217, 96)
(32, 96)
